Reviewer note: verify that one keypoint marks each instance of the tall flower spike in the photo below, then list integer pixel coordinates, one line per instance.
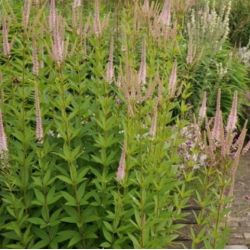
(146, 5)
(153, 127)
(160, 88)
(142, 74)
(211, 144)
(3, 139)
(121, 171)
(97, 23)
(41, 53)
(52, 14)
(26, 12)
(6, 44)
(37, 2)
(110, 64)
(203, 109)
(77, 21)
(35, 62)
(232, 118)
(77, 3)
(237, 155)
(222, 130)
(58, 48)
(192, 47)
(173, 81)
(216, 132)
(165, 16)
(39, 126)
(246, 148)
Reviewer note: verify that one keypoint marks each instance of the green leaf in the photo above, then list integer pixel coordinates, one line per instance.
(47, 178)
(51, 196)
(106, 245)
(71, 201)
(11, 235)
(36, 221)
(64, 235)
(39, 196)
(81, 191)
(40, 233)
(81, 174)
(65, 179)
(53, 244)
(41, 244)
(107, 235)
(136, 243)
(70, 220)
(74, 240)
(108, 226)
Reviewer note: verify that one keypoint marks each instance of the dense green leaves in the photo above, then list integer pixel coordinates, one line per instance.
(67, 190)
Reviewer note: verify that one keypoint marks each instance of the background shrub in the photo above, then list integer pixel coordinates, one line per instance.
(240, 27)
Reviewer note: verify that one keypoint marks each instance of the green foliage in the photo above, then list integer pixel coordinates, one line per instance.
(213, 207)
(222, 71)
(240, 22)
(62, 191)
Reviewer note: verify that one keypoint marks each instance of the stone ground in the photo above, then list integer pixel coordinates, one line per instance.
(240, 215)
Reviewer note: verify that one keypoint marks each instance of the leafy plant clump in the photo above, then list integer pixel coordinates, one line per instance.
(95, 103)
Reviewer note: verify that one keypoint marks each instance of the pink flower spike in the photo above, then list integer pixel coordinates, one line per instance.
(110, 64)
(153, 127)
(77, 3)
(97, 23)
(39, 126)
(246, 148)
(146, 5)
(216, 132)
(165, 16)
(232, 118)
(173, 81)
(37, 2)
(26, 13)
(52, 14)
(142, 74)
(58, 45)
(121, 171)
(3, 138)
(203, 109)
(35, 62)
(5, 32)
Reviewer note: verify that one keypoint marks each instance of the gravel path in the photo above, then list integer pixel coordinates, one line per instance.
(240, 215)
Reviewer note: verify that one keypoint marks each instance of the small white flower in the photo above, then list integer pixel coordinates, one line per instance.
(51, 133)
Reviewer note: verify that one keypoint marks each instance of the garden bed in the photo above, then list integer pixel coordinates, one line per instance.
(122, 124)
